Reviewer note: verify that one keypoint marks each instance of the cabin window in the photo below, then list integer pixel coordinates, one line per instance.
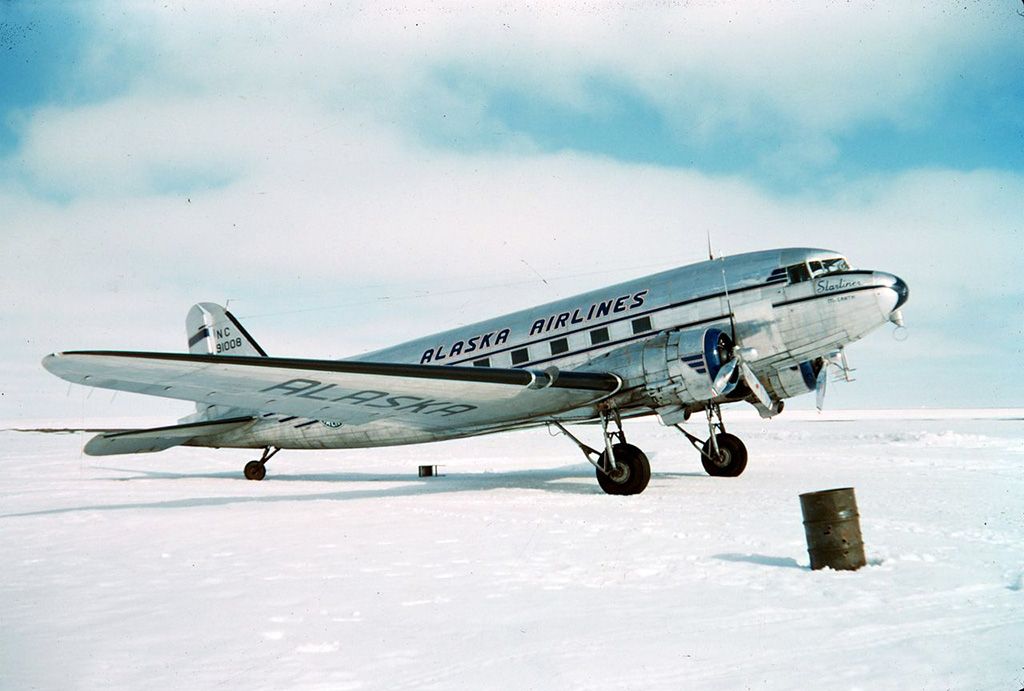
(599, 335)
(520, 356)
(485, 362)
(642, 324)
(559, 346)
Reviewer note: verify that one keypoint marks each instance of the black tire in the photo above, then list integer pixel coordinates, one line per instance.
(634, 471)
(254, 470)
(732, 460)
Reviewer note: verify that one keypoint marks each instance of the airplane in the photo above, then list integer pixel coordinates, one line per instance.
(758, 327)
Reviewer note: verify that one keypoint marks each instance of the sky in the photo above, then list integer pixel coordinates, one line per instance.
(350, 176)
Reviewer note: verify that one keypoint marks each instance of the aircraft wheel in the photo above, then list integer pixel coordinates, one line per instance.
(632, 472)
(254, 470)
(732, 456)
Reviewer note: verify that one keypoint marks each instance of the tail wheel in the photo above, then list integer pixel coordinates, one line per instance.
(255, 470)
(632, 471)
(731, 459)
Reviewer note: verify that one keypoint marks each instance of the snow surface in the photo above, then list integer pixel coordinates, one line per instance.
(344, 570)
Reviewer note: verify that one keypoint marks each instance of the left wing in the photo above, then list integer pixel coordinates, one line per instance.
(428, 397)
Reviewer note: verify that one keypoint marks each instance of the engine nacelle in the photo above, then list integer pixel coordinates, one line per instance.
(679, 366)
(673, 373)
(793, 381)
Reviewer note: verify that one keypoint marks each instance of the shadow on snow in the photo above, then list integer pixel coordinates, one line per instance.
(577, 480)
(762, 560)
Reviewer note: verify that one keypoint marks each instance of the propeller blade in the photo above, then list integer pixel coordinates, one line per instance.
(755, 385)
(721, 382)
(821, 384)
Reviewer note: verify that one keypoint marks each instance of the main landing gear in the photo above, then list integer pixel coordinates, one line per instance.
(257, 470)
(722, 454)
(621, 468)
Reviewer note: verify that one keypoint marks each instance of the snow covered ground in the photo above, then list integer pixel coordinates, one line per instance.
(344, 570)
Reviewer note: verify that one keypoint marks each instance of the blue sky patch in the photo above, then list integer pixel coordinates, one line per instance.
(40, 46)
(974, 121)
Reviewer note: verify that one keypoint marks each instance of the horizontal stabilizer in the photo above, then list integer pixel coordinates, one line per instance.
(158, 438)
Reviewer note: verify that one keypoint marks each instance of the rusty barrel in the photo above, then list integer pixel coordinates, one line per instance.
(832, 527)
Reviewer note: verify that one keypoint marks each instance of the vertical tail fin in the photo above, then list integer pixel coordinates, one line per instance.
(212, 330)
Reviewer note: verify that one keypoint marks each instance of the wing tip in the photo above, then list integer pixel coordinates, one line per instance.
(57, 363)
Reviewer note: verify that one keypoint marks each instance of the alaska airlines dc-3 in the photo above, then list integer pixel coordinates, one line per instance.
(758, 327)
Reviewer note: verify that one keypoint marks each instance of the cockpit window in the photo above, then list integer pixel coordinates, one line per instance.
(828, 266)
(798, 273)
(805, 271)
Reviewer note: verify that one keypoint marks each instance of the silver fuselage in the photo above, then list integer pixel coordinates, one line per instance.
(785, 315)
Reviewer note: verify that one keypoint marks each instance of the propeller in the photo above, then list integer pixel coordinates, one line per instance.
(820, 384)
(739, 360)
(837, 360)
(740, 356)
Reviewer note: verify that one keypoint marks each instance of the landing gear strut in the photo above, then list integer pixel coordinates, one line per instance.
(622, 468)
(257, 470)
(722, 454)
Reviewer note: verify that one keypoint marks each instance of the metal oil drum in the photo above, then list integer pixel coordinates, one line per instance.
(832, 527)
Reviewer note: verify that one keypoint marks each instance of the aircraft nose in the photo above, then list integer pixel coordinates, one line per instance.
(902, 292)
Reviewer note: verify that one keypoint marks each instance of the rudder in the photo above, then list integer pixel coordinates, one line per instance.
(212, 330)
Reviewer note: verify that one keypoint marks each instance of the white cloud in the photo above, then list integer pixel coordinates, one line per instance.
(803, 70)
(310, 189)
(348, 210)
(120, 273)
